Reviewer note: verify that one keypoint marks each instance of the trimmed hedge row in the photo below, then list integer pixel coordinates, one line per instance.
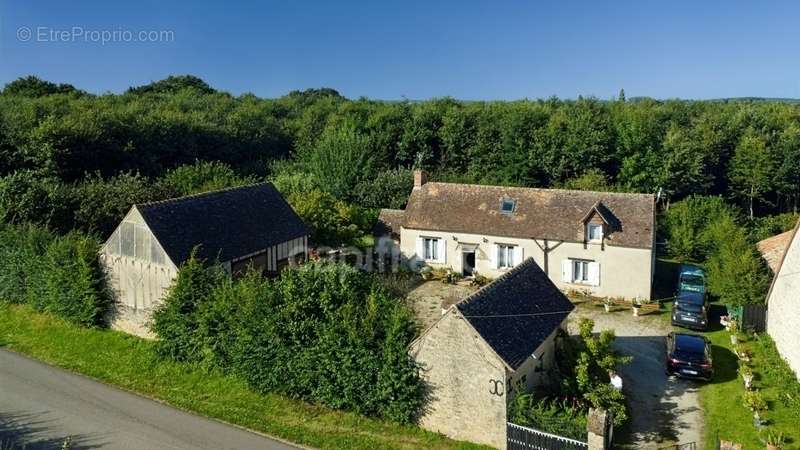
(56, 274)
(323, 332)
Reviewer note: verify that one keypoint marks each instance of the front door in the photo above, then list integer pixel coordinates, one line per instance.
(468, 263)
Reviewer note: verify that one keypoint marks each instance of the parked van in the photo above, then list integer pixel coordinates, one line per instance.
(691, 279)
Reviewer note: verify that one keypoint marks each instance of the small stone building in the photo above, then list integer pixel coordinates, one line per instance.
(498, 341)
(783, 299)
(239, 227)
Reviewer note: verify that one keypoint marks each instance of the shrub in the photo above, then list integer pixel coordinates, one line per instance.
(322, 332)
(764, 227)
(30, 197)
(553, 415)
(60, 275)
(74, 281)
(175, 321)
(202, 176)
(333, 222)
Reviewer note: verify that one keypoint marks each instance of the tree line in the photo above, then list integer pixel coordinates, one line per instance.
(745, 151)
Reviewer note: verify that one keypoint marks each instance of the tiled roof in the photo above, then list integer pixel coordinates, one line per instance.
(228, 224)
(773, 248)
(517, 312)
(538, 213)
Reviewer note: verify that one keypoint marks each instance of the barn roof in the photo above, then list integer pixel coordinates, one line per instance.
(517, 312)
(227, 224)
(537, 213)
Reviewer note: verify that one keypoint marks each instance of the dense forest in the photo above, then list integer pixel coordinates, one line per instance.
(76, 160)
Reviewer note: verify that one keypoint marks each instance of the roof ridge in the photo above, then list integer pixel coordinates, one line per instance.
(489, 287)
(629, 194)
(200, 194)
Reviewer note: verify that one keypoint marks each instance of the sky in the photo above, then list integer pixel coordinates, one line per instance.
(470, 50)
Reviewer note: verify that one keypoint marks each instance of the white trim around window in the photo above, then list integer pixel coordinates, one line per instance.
(581, 271)
(594, 232)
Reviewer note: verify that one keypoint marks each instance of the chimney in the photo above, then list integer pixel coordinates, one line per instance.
(420, 178)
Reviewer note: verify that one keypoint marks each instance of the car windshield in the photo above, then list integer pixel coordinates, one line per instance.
(692, 283)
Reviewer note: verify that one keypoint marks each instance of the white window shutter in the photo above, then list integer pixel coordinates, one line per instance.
(566, 270)
(420, 248)
(594, 273)
(493, 256)
(442, 250)
(518, 255)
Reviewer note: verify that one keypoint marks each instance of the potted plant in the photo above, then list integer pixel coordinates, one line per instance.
(775, 440)
(733, 327)
(747, 376)
(743, 354)
(637, 305)
(608, 303)
(754, 401)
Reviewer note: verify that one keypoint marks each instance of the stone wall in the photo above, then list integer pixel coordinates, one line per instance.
(466, 382)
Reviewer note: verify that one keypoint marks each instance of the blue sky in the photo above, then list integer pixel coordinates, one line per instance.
(415, 49)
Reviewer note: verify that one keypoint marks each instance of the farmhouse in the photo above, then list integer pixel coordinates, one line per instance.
(239, 227)
(499, 340)
(597, 242)
(783, 299)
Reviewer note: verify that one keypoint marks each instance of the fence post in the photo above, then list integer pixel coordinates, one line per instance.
(597, 427)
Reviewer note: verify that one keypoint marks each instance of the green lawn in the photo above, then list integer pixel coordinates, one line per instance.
(722, 398)
(129, 362)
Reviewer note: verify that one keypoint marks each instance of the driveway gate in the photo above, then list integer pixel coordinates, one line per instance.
(524, 438)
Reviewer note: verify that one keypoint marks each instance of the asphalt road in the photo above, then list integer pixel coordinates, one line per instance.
(42, 405)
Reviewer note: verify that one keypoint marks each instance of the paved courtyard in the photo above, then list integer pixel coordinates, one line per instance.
(664, 410)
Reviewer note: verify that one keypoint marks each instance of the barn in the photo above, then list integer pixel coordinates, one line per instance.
(239, 227)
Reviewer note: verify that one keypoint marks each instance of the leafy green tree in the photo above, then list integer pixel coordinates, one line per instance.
(339, 161)
(736, 272)
(592, 180)
(389, 189)
(173, 84)
(752, 169)
(332, 221)
(686, 226)
(32, 86)
(102, 203)
(30, 197)
(202, 176)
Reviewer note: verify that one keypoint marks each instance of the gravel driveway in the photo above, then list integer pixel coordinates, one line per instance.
(663, 410)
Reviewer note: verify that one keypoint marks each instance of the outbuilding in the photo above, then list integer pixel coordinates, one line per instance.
(498, 341)
(238, 227)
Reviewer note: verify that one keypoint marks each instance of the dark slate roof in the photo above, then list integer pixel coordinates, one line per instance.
(228, 224)
(538, 213)
(517, 312)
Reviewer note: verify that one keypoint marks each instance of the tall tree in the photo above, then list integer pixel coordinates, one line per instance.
(752, 169)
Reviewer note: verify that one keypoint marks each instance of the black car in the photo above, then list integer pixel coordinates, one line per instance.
(688, 356)
(690, 310)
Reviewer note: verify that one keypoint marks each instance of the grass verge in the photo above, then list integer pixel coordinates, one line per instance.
(130, 363)
(722, 399)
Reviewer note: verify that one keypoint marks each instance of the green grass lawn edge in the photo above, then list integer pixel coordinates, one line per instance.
(129, 362)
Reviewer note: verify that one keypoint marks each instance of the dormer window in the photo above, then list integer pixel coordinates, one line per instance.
(507, 205)
(594, 232)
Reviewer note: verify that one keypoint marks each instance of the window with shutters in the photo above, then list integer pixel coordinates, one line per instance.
(430, 249)
(505, 256)
(580, 271)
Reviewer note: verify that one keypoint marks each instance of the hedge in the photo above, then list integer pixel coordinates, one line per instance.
(56, 274)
